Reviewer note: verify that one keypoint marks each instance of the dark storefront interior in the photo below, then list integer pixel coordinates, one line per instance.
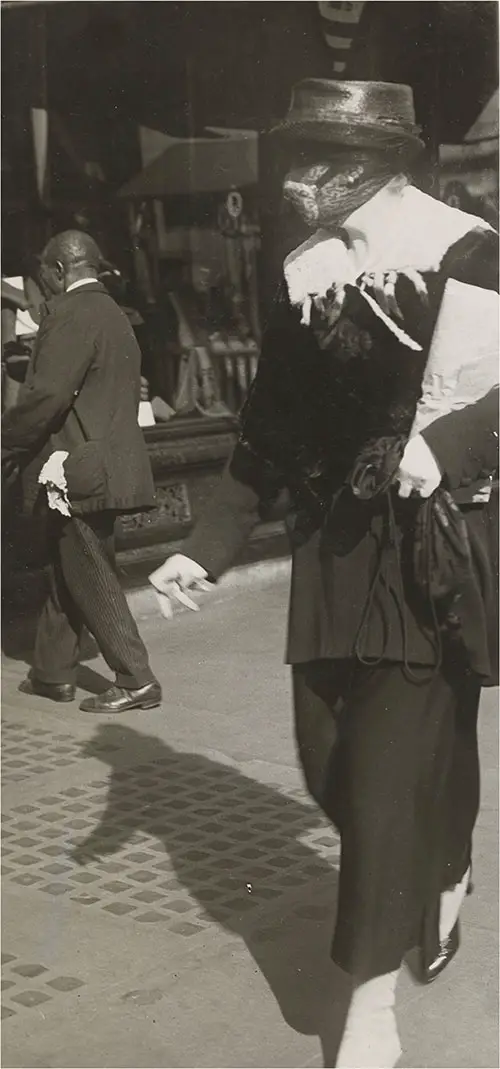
(198, 218)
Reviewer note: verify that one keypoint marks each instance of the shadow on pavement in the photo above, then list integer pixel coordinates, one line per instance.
(292, 953)
(18, 636)
(19, 632)
(91, 681)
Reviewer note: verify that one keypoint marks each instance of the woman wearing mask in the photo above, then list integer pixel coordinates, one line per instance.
(387, 667)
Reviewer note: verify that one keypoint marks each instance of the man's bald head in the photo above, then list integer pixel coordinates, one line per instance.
(69, 257)
(73, 248)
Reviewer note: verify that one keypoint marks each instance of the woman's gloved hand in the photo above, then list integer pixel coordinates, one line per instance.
(419, 471)
(173, 579)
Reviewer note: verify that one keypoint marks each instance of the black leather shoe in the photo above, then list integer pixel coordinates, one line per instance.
(118, 699)
(447, 951)
(56, 692)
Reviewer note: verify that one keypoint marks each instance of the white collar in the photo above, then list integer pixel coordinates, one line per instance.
(82, 282)
(399, 228)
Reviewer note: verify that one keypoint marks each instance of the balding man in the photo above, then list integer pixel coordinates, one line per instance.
(79, 407)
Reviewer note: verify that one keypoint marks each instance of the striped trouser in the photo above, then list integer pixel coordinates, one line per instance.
(85, 592)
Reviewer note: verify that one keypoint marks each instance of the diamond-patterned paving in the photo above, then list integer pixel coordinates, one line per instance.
(30, 984)
(169, 890)
(179, 841)
(29, 751)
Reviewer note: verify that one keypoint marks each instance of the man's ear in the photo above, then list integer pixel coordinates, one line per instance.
(59, 270)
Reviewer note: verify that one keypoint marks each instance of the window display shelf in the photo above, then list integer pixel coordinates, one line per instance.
(187, 458)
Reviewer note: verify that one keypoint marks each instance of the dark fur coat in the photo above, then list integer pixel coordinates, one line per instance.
(310, 417)
(314, 415)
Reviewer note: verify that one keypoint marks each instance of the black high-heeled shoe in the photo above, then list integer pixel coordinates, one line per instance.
(447, 950)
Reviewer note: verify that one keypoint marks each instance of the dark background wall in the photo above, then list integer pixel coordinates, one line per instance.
(107, 67)
(177, 66)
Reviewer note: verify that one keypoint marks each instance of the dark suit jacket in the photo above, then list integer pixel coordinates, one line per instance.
(81, 395)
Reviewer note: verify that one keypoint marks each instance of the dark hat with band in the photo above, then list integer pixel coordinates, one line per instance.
(362, 114)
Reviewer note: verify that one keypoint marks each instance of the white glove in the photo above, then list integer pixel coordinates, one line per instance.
(172, 579)
(419, 470)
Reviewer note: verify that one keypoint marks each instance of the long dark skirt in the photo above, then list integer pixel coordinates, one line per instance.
(393, 763)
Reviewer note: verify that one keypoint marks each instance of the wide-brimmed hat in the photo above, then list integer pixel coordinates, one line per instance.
(361, 114)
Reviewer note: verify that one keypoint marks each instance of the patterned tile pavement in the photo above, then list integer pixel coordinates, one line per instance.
(152, 835)
(30, 984)
(180, 841)
(131, 840)
(28, 751)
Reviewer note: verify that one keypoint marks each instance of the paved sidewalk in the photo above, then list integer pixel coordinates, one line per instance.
(168, 888)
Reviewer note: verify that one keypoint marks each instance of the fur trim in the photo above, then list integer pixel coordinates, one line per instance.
(410, 230)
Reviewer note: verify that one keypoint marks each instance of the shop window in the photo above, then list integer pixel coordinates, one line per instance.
(195, 266)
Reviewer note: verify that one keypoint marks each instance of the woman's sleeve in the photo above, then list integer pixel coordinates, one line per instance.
(474, 259)
(250, 483)
(238, 503)
(465, 442)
